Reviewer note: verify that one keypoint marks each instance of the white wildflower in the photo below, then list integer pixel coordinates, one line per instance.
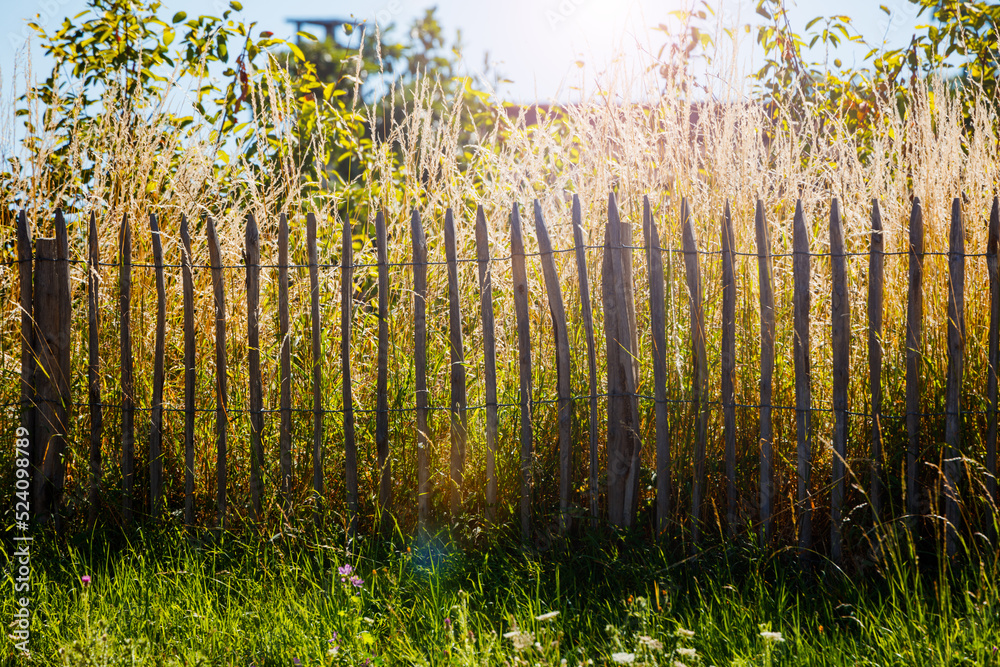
(547, 617)
(772, 636)
(650, 643)
(623, 658)
(687, 652)
(678, 663)
(681, 632)
(520, 640)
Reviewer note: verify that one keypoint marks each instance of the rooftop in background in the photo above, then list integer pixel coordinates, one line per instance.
(330, 25)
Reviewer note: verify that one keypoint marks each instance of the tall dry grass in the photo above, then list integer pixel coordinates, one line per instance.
(667, 145)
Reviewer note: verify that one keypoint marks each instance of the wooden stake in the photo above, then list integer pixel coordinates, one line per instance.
(729, 363)
(252, 245)
(420, 367)
(767, 326)
(953, 389)
(803, 393)
(658, 325)
(588, 325)
(876, 261)
(317, 366)
(914, 354)
(563, 368)
(459, 419)
(190, 375)
(520, 277)
(94, 367)
(382, 381)
(346, 320)
(841, 332)
(700, 367)
(489, 359)
(156, 405)
(285, 363)
(221, 372)
(127, 382)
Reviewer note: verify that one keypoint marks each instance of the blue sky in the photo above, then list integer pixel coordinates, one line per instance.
(535, 43)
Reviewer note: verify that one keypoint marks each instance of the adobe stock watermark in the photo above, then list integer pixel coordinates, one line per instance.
(20, 562)
(48, 11)
(563, 12)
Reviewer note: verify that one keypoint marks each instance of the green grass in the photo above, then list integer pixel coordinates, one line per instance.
(160, 597)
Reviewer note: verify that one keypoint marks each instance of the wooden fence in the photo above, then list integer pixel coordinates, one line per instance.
(45, 300)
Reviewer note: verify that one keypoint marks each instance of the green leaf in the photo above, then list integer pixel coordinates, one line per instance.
(179, 16)
(236, 5)
(296, 51)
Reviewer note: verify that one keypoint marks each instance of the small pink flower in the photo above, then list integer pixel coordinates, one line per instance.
(86, 580)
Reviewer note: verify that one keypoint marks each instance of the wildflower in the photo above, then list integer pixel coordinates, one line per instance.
(678, 663)
(772, 636)
(623, 658)
(547, 617)
(357, 582)
(86, 580)
(447, 622)
(520, 640)
(687, 652)
(650, 643)
(296, 662)
(345, 570)
(681, 632)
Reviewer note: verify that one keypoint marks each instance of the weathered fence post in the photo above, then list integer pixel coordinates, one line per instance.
(699, 381)
(51, 380)
(457, 404)
(803, 393)
(623, 412)
(914, 353)
(489, 358)
(658, 324)
(221, 380)
(94, 367)
(520, 284)
(190, 375)
(420, 367)
(127, 380)
(953, 389)
(317, 365)
(252, 245)
(285, 363)
(588, 325)
(767, 325)
(876, 261)
(993, 266)
(156, 405)
(346, 321)
(563, 369)
(382, 381)
(840, 306)
(729, 363)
